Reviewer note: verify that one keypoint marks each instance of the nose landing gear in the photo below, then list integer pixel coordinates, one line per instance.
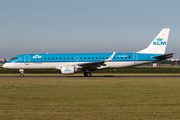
(22, 72)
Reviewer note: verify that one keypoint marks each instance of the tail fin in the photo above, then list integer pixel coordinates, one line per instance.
(158, 45)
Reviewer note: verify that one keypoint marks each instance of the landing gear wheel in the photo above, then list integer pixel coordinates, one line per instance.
(87, 74)
(22, 72)
(22, 75)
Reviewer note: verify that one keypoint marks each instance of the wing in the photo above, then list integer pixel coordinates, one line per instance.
(96, 64)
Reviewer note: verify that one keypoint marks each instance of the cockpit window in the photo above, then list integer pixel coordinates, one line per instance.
(14, 58)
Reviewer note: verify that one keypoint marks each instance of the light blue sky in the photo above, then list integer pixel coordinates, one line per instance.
(62, 26)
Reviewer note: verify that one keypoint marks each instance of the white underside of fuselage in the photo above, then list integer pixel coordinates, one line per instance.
(56, 65)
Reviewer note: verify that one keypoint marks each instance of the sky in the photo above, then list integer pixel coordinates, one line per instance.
(86, 26)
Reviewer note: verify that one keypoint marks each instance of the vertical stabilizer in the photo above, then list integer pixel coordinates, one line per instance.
(158, 45)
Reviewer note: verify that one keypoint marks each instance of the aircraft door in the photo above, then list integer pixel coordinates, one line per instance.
(26, 59)
(135, 58)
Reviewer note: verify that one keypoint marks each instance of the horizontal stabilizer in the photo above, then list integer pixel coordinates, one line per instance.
(165, 56)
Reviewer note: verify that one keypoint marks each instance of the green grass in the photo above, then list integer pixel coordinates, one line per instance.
(90, 98)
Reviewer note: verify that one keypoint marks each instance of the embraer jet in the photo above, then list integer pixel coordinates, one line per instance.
(74, 62)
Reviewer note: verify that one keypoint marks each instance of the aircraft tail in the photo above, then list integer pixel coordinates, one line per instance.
(158, 45)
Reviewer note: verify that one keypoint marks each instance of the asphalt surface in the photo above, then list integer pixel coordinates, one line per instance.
(81, 77)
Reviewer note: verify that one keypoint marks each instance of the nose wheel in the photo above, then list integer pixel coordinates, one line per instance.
(22, 72)
(87, 74)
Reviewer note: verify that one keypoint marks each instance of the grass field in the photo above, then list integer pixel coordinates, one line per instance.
(90, 98)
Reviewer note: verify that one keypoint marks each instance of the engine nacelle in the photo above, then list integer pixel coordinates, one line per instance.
(68, 70)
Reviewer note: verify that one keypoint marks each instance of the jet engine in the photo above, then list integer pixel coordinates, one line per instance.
(68, 70)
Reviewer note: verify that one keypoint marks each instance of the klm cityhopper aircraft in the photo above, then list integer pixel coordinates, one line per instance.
(75, 62)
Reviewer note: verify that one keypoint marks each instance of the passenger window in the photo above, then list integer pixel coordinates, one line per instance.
(45, 58)
(100, 58)
(49, 58)
(64, 58)
(53, 58)
(117, 57)
(68, 58)
(96, 57)
(41, 58)
(37, 58)
(114, 57)
(107, 57)
(92, 57)
(89, 57)
(81, 58)
(84, 58)
(121, 57)
(72, 58)
(103, 58)
(60, 58)
(125, 57)
(56, 58)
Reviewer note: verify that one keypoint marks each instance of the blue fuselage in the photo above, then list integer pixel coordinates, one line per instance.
(82, 57)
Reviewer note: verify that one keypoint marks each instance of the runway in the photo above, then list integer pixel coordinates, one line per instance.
(82, 77)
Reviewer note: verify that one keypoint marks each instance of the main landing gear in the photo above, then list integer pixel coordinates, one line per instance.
(22, 72)
(87, 74)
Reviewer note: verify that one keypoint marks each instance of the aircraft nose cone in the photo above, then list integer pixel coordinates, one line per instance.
(5, 65)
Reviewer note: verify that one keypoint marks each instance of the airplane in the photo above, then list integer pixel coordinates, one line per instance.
(70, 63)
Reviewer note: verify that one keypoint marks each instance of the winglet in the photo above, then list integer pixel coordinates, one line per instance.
(110, 58)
